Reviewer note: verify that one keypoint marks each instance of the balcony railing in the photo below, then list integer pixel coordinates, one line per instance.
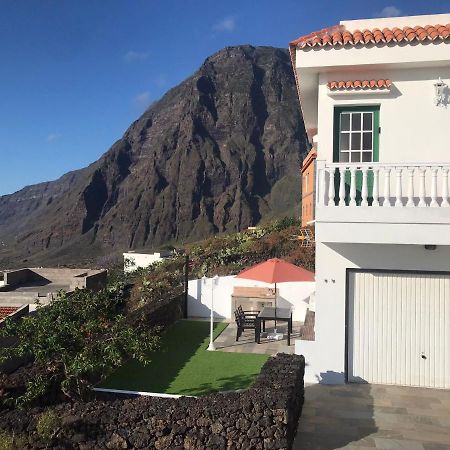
(383, 185)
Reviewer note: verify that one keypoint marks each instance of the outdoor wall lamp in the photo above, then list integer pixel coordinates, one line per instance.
(430, 247)
(439, 92)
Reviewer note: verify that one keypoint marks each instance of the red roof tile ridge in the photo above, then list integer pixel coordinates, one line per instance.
(359, 84)
(339, 35)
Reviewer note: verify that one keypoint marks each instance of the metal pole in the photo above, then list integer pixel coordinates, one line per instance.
(211, 346)
(275, 329)
(186, 285)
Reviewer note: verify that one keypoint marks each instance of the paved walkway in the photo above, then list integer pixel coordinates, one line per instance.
(364, 416)
(226, 342)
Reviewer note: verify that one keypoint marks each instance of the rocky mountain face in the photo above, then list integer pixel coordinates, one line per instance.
(217, 153)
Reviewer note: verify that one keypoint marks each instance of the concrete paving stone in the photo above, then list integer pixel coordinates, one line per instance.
(365, 416)
(397, 444)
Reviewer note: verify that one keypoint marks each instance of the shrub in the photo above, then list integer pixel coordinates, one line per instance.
(78, 338)
(48, 424)
(6, 441)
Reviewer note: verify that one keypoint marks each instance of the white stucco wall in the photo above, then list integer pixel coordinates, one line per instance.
(413, 128)
(299, 295)
(142, 259)
(325, 356)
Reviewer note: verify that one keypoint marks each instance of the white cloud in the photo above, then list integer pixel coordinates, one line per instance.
(133, 56)
(227, 24)
(142, 100)
(52, 137)
(388, 11)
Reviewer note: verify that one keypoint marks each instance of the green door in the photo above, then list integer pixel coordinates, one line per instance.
(356, 140)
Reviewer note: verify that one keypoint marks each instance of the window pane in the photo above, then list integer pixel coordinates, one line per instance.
(367, 121)
(345, 141)
(344, 157)
(367, 156)
(356, 141)
(345, 122)
(356, 157)
(356, 121)
(367, 141)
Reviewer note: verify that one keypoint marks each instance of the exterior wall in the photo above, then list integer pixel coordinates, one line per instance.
(413, 128)
(325, 357)
(299, 295)
(14, 277)
(308, 188)
(133, 261)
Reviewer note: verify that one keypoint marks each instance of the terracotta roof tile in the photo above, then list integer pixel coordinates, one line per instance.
(5, 311)
(359, 84)
(338, 35)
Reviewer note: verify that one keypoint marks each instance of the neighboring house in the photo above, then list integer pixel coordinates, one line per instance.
(29, 285)
(375, 98)
(133, 261)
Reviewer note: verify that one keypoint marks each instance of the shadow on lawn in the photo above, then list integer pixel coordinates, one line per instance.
(178, 345)
(233, 383)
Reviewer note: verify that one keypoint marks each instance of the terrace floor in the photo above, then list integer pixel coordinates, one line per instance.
(226, 342)
(365, 416)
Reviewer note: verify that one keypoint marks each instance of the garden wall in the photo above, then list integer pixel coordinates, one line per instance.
(297, 295)
(264, 416)
(161, 313)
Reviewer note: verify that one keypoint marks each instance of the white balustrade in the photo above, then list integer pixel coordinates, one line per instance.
(387, 187)
(362, 186)
(376, 187)
(352, 186)
(445, 203)
(331, 193)
(342, 172)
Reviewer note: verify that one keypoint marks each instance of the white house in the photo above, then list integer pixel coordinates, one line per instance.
(133, 261)
(376, 101)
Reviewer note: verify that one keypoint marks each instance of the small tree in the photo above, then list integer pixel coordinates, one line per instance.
(79, 337)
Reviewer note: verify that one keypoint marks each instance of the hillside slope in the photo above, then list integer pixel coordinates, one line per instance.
(216, 153)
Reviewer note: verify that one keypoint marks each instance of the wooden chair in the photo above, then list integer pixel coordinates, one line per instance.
(243, 323)
(247, 313)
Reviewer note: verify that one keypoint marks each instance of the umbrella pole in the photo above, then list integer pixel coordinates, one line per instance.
(275, 329)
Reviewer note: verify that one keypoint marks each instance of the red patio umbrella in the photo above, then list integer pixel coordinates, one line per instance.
(276, 271)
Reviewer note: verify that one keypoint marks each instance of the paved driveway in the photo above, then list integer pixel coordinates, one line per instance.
(357, 416)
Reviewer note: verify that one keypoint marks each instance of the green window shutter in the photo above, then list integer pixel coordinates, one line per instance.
(338, 110)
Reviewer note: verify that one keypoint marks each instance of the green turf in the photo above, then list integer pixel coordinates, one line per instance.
(183, 365)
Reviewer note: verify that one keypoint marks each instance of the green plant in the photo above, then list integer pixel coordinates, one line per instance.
(6, 441)
(48, 425)
(78, 338)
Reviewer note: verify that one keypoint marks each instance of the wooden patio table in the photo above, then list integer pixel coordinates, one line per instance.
(268, 313)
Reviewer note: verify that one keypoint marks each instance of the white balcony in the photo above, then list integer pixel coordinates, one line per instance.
(383, 203)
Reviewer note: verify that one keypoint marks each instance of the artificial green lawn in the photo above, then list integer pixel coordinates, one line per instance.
(183, 365)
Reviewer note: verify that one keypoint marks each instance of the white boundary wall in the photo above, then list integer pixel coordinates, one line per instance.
(298, 295)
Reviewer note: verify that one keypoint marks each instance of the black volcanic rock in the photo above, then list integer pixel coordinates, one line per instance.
(216, 153)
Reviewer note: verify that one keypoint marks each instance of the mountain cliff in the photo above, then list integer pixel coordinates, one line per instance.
(217, 153)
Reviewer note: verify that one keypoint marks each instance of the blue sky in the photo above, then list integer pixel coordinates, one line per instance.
(75, 74)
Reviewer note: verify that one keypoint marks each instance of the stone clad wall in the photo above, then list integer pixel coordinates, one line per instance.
(264, 416)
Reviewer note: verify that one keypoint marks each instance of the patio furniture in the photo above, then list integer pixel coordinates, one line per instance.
(276, 271)
(244, 323)
(248, 313)
(277, 314)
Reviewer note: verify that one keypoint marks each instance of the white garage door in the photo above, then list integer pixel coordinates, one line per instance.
(399, 329)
